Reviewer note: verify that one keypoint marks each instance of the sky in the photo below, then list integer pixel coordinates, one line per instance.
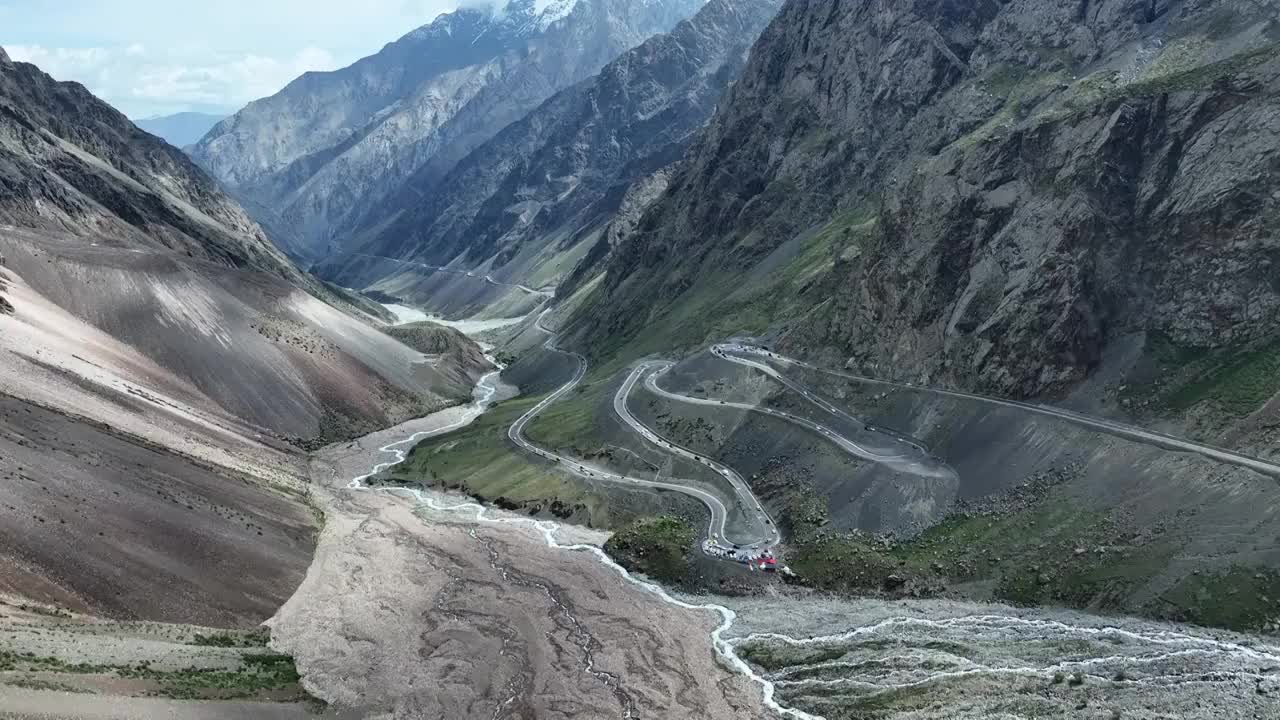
(157, 57)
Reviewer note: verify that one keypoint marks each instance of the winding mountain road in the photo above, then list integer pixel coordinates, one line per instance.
(1146, 655)
(915, 463)
(733, 353)
(717, 542)
(748, 503)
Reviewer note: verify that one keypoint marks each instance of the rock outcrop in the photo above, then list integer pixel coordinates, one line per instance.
(318, 154)
(458, 359)
(997, 194)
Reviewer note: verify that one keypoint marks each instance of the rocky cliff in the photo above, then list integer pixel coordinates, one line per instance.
(550, 181)
(319, 153)
(1004, 196)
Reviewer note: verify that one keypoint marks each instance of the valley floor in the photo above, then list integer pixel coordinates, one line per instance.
(413, 612)
(422, 605)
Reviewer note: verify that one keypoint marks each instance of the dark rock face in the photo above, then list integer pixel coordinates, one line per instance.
(319, 153)
(71, 163)
(1009, 186)
(562, 171)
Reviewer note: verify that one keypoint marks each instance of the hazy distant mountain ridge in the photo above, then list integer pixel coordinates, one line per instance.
(180, 129)
(330, 145)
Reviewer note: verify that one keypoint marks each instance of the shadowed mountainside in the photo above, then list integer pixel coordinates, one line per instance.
(1009, 197)
(532, 201)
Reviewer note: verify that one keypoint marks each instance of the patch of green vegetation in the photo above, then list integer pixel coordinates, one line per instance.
(1090, 580)
(1047, 552)
(777, 656)
(845, 235)
(842, 563)
(719, 304)
(32, 684)
(257, 673)
(1195, 77)
(973, 546)
(707, 311)
(255, 638)
(1004, 79)
(1179, 56)
(570, 421)
(29, 661)
(1168, 355)
(1240, 598)
(1237, 381)
(1178, 69)
(659, 547)
(887, 703)
(481, 461)
(1021, 89)
(804, 511)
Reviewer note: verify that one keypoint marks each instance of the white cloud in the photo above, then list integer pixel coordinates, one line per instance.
(151, 57)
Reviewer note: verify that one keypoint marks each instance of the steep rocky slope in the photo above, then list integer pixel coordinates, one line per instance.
(71, 163)
(110, 228)
(1009, 197)
(317, 154)
(161, 363)
(544, 186)
(132, 487)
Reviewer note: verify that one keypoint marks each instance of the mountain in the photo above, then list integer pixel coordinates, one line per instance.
(161, 366)
(1009, 197)
(535, 198)
(181, 129)
(165, 261)
(71, 164)
(1071, 204)
(329, 145)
